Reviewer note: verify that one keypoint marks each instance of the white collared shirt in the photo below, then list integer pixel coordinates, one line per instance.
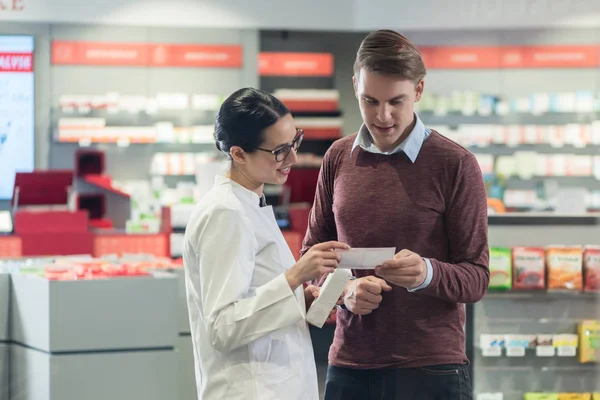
(411, 146)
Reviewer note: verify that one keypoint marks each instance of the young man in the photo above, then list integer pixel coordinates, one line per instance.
(396, 183)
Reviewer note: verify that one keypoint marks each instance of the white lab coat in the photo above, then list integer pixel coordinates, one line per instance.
(250, 337)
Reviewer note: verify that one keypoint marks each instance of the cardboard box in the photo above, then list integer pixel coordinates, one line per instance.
(329, 294)
(104, 314)
(4, 307)
(148, 375)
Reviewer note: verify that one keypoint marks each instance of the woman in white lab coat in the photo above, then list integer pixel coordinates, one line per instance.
(246, 301)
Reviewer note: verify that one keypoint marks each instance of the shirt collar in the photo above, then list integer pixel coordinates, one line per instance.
(411, 146)
(242, 192)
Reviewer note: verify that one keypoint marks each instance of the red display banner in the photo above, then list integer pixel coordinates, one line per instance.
(465, 57)
(295, 64)
(551, 57)
(511, 57)
(146, 55)
(221, 56)
(89, 53)
(16, 62)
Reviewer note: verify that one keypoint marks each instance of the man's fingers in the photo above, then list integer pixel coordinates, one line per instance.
(378, 284)
(369, 297)
(403, 254)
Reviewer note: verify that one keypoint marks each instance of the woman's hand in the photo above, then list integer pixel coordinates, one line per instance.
(311, 292)
(318, 261)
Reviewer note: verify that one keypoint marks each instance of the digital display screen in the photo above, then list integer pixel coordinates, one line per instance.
(17, 121)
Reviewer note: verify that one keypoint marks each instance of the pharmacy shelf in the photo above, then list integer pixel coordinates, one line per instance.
(455, 119)
(533, 313)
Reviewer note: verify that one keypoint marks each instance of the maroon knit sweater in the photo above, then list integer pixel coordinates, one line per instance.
(435, 207)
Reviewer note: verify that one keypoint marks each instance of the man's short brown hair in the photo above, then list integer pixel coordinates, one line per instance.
(389, 53)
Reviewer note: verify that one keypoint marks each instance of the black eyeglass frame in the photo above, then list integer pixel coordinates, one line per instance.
(286, 149)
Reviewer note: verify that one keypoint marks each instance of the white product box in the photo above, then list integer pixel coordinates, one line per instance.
(4, 368)
(148, 375)
(107, 314)
(187, 373)
(328, 296)
(4, 307)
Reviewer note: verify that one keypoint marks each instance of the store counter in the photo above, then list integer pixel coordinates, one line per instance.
(94, 339)
(4, 370)
(4, 334)
(4, 307)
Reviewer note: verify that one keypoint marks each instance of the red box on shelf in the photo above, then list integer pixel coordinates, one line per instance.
(322, 133)
(10, 247)
(42, 188)
(303, 185)
(294, 241)
(154, 244)
(95, 205)
(50, 221)
(57, 243)
(311, 105)
(40, 199)
(89, 162)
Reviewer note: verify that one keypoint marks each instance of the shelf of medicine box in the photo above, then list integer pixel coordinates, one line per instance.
(512, 395)
(317, 114)
(539, 295)
(591, 182)
(541, 148)
(118, 103)
(127, 118)
(95, 130)
(541, 219)
(455, 119)
(320, 127)
(309, 99)
(530, 209)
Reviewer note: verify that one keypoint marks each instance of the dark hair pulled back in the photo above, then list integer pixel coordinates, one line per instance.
(243, 117)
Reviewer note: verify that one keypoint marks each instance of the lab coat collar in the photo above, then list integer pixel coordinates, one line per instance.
(242, 193)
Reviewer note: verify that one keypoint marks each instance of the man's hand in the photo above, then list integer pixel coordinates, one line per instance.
(363, 295)
(407, 270)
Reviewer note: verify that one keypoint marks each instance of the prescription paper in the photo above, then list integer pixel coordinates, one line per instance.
(366, 257)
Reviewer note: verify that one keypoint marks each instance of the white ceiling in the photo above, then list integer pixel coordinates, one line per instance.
(349, 15)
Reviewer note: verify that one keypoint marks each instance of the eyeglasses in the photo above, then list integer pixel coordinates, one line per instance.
(282, 152)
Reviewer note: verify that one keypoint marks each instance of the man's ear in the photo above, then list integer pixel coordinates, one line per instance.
(355, 85)
(238, 155)
(419, 90)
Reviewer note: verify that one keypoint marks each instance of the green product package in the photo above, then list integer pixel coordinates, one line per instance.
(541, 396)
(500, 268)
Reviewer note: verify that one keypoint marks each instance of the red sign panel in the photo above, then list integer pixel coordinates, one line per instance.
(146, 55)
(511, 57)
(88, 53)
(230, 56)
(295, 64)
(16, 62)
(551, 57)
